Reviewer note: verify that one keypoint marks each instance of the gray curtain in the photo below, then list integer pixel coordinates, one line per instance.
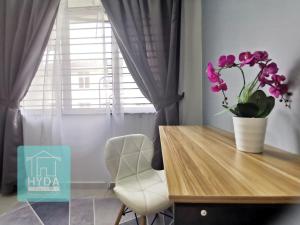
(25, 27)
(148, 34)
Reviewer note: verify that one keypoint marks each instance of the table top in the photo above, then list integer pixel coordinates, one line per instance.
(203, 166)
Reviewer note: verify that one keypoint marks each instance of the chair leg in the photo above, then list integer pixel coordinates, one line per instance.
(143, 220)
(156, 215)
(136, 219)
(120, 214)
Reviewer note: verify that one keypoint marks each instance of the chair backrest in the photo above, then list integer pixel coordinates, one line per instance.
(128, 155)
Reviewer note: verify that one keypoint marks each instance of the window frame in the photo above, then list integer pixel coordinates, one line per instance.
(67, 107)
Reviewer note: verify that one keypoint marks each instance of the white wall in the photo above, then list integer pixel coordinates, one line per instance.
(232, 26)
(191, 63)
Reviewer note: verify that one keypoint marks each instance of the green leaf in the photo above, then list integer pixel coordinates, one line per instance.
(233, 111)
(227, 109)
(265, 104)
(246, 93)
(270, 103)
(246, 110)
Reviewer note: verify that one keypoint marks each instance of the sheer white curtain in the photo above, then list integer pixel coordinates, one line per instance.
(41, 108)
(83, 92)
(81, 73)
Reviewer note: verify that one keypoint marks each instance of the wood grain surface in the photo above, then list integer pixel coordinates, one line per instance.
(203, 166)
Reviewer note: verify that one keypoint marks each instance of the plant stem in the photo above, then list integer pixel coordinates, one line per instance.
(256, 79)
(260, 72)
(244, 80)
(224, 95)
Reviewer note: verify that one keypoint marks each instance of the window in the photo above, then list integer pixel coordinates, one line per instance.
(84, 82)
(93, 74)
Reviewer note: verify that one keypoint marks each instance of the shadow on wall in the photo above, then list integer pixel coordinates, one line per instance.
(294, 120)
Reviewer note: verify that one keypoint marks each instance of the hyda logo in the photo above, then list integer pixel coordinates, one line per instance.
(43, 172)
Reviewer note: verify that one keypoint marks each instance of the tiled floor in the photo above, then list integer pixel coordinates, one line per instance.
(87, 207)
(97, 193)
(81, 211)
(9, 202)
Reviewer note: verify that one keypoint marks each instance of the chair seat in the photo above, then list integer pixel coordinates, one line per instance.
(145, 193)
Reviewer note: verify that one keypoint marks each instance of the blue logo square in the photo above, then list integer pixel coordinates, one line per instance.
(44, 173)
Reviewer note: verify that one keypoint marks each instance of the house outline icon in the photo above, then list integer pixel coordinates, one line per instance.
(37, 169)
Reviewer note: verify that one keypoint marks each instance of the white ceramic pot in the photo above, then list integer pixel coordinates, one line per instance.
(249, 134)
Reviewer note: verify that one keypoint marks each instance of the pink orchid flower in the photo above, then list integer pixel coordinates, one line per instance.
(270, 69)
(246, 58)
(261, 56)
(226, 61)
(219, 87)
(267, 75)
(278, 78)
(284, 88)
(274, 91)
(212, 75)
(278, 90)
(263, 80)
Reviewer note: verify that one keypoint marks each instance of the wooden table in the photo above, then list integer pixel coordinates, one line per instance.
(211, 183)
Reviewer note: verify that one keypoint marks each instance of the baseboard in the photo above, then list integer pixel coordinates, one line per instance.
(92, 185)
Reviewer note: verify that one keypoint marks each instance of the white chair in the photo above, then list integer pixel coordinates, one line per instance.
(138, 186)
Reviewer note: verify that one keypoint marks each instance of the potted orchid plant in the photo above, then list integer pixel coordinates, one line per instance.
(253, 105)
